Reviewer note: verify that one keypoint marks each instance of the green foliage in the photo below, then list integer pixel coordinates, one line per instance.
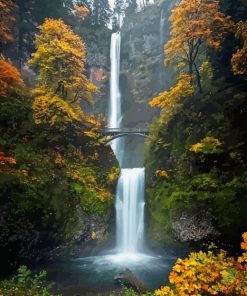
(206, 72)
(210, 174)
(61, 166)
(128, 292)
(24, 283)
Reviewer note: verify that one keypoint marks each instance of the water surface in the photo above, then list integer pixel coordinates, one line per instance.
(93, 275)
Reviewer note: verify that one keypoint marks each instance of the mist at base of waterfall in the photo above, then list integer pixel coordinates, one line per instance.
(95, 274)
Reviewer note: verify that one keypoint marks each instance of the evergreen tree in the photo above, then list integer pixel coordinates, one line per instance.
(131, 8)
(30, 14)
(101, 12)
(25, 29)
(119, 11)
(120, 7)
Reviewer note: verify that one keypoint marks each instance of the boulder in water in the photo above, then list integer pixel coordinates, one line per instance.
(128, 279)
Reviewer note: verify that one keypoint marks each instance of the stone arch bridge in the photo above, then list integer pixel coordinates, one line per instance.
(115, 133)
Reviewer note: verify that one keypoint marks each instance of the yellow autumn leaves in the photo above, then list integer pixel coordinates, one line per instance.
(208, 274)
(208, 145)
(60, 60)
(182, 89)
(51, 110)
(62, 84)
(194, 23)
(170, 100)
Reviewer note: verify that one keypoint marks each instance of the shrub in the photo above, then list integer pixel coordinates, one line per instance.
(206, 273)
(24, 283)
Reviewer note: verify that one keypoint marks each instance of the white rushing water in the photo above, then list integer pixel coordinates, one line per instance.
(130, 210)
(115, 115)
(130, 188)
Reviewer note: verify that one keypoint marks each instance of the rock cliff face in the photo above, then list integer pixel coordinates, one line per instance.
(98, 42)
(143, 74)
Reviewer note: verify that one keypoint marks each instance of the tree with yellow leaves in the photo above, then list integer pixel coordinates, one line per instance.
(52, 111)
(239, 59)
(195, 24)
(182, 89)
(169, 101)
(60, 61)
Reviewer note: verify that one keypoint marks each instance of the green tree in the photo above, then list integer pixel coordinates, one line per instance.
(101, 12)
(131, 8)
(31, 13)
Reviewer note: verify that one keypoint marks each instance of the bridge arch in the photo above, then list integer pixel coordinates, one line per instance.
(116, 133)
(121, 135)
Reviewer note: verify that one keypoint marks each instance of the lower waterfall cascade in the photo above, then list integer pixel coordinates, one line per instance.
(130, 210)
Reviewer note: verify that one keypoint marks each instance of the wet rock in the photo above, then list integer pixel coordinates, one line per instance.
(194, 226)
(128, 279)
(86, 230)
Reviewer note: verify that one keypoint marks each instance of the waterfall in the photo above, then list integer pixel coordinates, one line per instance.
(162, 19)
(130, 188)
(130, 210)
(115, 114)
(115, 103)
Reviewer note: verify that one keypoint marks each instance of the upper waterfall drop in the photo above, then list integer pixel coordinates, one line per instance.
(115, 115)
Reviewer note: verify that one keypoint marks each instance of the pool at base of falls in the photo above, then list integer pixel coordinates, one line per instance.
(93, 275)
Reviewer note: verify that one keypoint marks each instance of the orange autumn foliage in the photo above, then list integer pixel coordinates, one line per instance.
(6, 162)
(81, 11)
(239, 59)
(6, 19)
(194, 24)
(208, 274)
(9, 77)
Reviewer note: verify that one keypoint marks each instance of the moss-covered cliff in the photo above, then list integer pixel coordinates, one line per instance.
(203, 194)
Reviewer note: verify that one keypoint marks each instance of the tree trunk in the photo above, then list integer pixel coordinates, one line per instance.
(20, 38)
(191, 72)
(198, 78)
